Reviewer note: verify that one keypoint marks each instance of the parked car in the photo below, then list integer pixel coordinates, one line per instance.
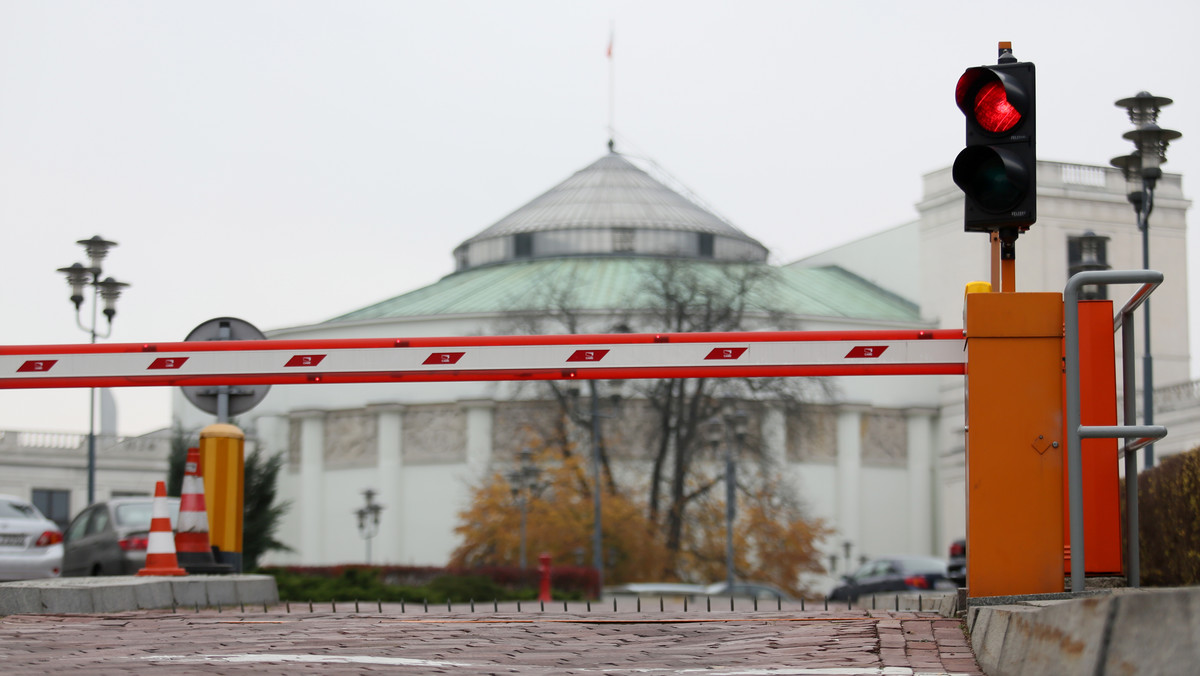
(110, 538)
(666, 590)
(894, 574)
(30, 544)
(956, 567)
(747, 590)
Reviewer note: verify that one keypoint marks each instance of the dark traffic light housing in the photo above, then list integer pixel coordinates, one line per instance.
(997, 171)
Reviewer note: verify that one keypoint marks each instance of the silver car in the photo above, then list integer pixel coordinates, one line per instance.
(30, 544)
(110, 538)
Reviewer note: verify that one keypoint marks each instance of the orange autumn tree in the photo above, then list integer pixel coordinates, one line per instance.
(773, 541)
(559, 518)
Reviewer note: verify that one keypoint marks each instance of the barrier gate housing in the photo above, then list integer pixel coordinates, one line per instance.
(1011, 351)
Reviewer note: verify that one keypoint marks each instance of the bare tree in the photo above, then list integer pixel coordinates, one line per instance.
(675, 296)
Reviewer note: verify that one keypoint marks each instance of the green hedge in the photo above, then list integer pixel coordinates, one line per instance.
(1169, 521)
(414, 584)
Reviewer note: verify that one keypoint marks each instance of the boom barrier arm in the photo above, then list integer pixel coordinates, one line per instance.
(481, 358)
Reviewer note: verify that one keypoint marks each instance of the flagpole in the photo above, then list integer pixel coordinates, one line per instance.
(611, 87)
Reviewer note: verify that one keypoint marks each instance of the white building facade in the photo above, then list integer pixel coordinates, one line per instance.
(863, 459)
(932, 259)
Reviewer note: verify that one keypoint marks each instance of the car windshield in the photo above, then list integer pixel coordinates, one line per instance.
(923, 565)
(137, 514)
(18, 510)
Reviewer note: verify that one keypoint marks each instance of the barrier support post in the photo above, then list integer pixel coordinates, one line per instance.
(1015, 442)
(223, 466)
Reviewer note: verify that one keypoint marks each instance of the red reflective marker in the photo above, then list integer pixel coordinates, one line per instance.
(304, 360)
(37, 366)
(443, 358)
(167, 363)
(865, 352)
(587, 355)
(726, 353)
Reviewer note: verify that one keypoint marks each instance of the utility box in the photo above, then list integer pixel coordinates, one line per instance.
(1015, 443)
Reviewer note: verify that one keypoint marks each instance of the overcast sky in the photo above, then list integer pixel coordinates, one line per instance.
(286, 162)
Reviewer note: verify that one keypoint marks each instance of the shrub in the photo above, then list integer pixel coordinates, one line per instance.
(415, 584)
(1169, 521)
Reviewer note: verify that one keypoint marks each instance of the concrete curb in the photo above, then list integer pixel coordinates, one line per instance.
(127, 592)
(1126, 632)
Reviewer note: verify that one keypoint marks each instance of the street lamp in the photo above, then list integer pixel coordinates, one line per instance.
(523, 480)
(368, 520)
(597, 519)
(108, 290)
(732, 430)
(1142, 169)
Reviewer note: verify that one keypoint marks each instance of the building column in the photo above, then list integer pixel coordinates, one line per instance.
(479, 435)
(922, 493)
(774, 435)
(312, 480)
(390, 543)
(849, 481)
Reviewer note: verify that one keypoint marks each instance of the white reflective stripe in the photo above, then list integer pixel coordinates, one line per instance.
(192, 522)
(160, 542)
(160, 509)
(246, 658)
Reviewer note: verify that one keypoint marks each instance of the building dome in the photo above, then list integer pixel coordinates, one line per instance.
(609, 208)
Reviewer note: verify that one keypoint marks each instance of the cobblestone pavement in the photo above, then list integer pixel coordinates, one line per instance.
(287, 640)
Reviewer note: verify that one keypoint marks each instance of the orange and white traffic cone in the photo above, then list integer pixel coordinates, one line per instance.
(192, 545)
(160, 550)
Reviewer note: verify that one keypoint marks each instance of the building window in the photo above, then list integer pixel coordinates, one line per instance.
(55, 504)
(623, 240)
(706, 245)
(523, 245)
(1088, 251)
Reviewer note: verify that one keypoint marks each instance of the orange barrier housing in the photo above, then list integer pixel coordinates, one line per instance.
(1101, 480)
(1015, 443)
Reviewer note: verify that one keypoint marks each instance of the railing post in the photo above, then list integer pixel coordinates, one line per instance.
(1150, 280)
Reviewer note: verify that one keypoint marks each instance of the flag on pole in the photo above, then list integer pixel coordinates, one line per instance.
(610, 44)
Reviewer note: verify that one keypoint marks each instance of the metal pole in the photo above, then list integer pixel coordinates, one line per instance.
(91, 452)
(1147, 359)
(1133, 574)
(730, 510)
(521, 503)
(597, 532)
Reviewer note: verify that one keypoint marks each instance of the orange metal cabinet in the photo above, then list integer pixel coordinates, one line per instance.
(1015, 443)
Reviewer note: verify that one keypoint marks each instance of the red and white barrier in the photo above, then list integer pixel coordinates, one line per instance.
(558, 357)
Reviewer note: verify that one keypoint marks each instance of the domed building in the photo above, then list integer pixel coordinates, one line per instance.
(582, 257)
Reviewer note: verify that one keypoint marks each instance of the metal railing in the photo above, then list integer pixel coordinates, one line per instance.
(1142, 435)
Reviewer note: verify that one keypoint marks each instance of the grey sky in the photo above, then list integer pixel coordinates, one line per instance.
(285, 162)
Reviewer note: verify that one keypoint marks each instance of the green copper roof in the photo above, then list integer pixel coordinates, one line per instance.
(605, 283)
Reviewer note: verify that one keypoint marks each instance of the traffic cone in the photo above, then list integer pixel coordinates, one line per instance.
(160, 551)
(192, 545)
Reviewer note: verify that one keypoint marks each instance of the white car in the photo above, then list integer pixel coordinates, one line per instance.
(30, 544)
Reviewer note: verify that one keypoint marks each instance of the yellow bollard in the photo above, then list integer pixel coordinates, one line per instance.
(223, 465)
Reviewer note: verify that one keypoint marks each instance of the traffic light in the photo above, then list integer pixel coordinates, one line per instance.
(997, 170)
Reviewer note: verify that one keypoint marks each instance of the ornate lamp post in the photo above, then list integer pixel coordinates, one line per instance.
(597, 521)
(1142, 169)
(732, 430)
(80, 277)
(368, 520)
(523, 480)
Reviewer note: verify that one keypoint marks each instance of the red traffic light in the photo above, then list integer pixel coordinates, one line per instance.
(991, 99)
(997, 170)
